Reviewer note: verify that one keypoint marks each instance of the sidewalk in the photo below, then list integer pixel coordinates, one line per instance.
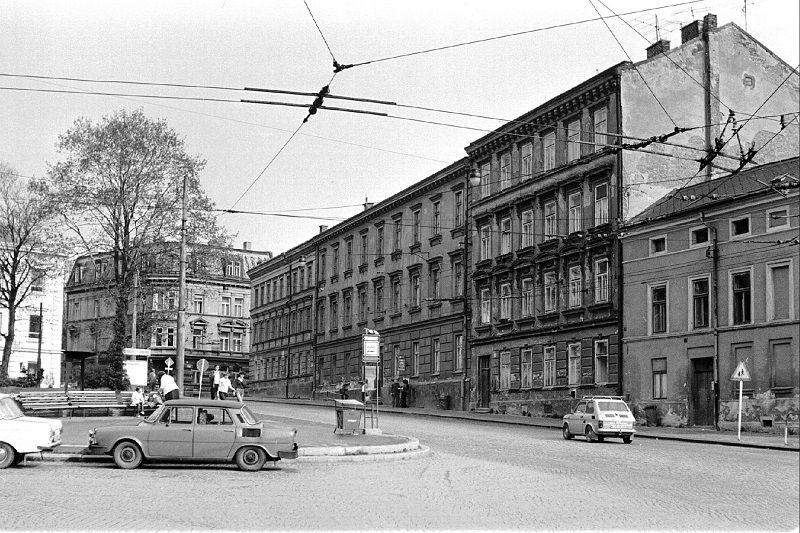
(749, 439)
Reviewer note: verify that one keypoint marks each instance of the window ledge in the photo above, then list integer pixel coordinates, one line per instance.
(378, 318)
(397, 254)
(435, 304)
(395, 315)
(415, 309)
(379, 260)
(435, 240)
(361, 323)
(572, 311)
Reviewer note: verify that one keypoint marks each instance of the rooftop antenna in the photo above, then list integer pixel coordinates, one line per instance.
(744, 10)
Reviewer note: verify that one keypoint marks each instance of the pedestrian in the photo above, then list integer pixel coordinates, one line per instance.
(344, 391)
(240, 385)
(404, 390)
(137, 401)
(396, 393)
(168, 388)
(224, 387)
(152, 381)
(215, 377)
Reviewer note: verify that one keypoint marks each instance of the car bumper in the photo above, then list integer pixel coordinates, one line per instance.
(289, 454)
(615, 432)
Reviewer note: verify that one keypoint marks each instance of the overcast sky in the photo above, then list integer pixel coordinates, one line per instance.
(335, 159)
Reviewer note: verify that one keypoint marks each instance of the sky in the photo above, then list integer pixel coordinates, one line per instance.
(291, 177)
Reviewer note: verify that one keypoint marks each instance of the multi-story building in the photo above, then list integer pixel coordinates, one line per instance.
(716, 264)
(217, 297)
(557, 182)
(399, 268)
(37, 328)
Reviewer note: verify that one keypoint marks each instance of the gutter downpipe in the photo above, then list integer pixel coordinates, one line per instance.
(315, 319)
(713, 251)
(617, 243)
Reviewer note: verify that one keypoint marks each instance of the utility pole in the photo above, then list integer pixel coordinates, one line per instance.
(179, 348)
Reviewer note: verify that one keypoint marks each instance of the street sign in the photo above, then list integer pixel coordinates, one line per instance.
(136, 352)
(741, 373)
(371, 352)
(202, 365)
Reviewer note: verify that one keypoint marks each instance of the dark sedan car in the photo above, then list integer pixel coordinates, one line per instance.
(197, 430)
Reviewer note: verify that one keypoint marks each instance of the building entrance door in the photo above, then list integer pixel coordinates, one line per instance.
(484, 381)
(702, 391)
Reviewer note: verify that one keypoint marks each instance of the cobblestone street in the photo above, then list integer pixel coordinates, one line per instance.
(477, 476)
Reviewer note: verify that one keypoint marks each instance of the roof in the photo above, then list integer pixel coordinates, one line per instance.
(732, 187)
(205, 402)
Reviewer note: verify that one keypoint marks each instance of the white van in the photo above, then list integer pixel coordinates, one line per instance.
(20, 434)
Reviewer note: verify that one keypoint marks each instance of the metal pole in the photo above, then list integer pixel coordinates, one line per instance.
(135, 297)
(39, 349)
(179, 348)
(741, 386)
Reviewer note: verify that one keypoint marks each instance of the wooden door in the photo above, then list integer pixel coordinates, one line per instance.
(484, 381)
(702, 392)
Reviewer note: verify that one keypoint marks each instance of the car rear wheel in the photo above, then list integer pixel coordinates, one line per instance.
(18, 458)
(127, 455)
(565, 432)
(7, 454)
(591, 436)
(627, 439)
(250, 458)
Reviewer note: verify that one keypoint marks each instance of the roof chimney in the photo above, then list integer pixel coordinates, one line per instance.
(367, 204)
(657, 48)
(710, 23)
(323, 229)
(247, 245)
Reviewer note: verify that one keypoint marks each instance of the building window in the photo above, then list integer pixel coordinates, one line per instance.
(197, 338)
(601, 361)
(659, 367)
(601, 204)
(347, 309)
(364, 252)
(458, 364)
(458, 208)
(334, 314)
(415, 291)
(780, 291)
(575, 212)
(96, 313)
(225, 306)
(379, 299)
(458, 278)
(435, 283)
(658, 309)
(550, 220)
(398, 363)
(549, 366)
(238, 307)
(698, 236)
(321, 317)
(700, 303)
(437, 218)
(398, 233)
(348, 255)
(379, 242)
(505, 301)
(575, 287)
(550, 151)
(574, 140)
(197, 304)
(486, 185)
(224, 342)
(415, 358)
(782, 371)
(396, 295)
(486, 242)
(505, 171)
(35, 326)
(527, 228)
(486, 306)
(600, 117)
(236, 342)
(437, 356)
(37, 280)
(527, 161)
(322, 266)
(362, 304)
(574, 355)
(778, 219)
(527, 369)
(601, 281)
(505, 370)
(416, 229)
(335, 265)
(550, 292)
(740, 227)
(234, 269)
(658, 245)
(741, 298)
(527, 297)
(505, 236)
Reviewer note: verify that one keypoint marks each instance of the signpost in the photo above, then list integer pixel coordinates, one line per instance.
(136, 352)
(741, 375)
(202, 366)
(169, 362)
(370, 357)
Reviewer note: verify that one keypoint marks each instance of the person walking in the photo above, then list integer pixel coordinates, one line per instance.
(215, 377)
(224, 387)
(168, 388)
(240, 386)
(396, 393)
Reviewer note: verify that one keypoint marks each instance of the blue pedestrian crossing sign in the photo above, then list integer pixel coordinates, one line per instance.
(741, 373)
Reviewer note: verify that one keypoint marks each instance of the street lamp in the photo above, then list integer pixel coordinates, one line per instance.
(473, 180)
(301, 264)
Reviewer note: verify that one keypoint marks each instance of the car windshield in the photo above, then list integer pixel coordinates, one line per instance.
(620, 407)
(249, 416)
(10, 409)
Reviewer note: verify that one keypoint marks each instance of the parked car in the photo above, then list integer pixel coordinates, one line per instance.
(598, 417)
(196, 430)
(20, 434)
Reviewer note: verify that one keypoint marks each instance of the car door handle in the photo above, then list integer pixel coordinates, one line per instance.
(186, 430)
(227, 431)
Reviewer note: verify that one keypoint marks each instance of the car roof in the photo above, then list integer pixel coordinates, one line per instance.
(230, 404)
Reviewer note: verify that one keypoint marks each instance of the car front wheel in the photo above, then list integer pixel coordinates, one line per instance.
(7, 454)
(127, 455)
(565, 432)
(250, 458)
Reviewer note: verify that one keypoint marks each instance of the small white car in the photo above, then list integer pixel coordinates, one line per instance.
(598, 417)
(20, 434)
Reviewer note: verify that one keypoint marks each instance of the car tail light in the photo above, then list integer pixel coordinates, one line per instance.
(600, 423)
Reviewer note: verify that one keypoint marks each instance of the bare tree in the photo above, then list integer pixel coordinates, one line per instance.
(119, 191)
(29, 249)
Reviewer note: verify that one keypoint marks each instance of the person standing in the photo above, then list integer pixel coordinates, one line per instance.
(169, 389)
(404, 390)
(396, 393)
(215, 377)
(152, 381)
(224, 387)
(240, 385)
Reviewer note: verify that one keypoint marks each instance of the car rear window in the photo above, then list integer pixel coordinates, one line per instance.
(620, 407)
(249, 416)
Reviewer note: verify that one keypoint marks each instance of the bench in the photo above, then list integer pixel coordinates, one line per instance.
(39, 401)
(100, 400)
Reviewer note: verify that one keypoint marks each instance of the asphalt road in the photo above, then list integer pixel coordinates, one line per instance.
(477, 476)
